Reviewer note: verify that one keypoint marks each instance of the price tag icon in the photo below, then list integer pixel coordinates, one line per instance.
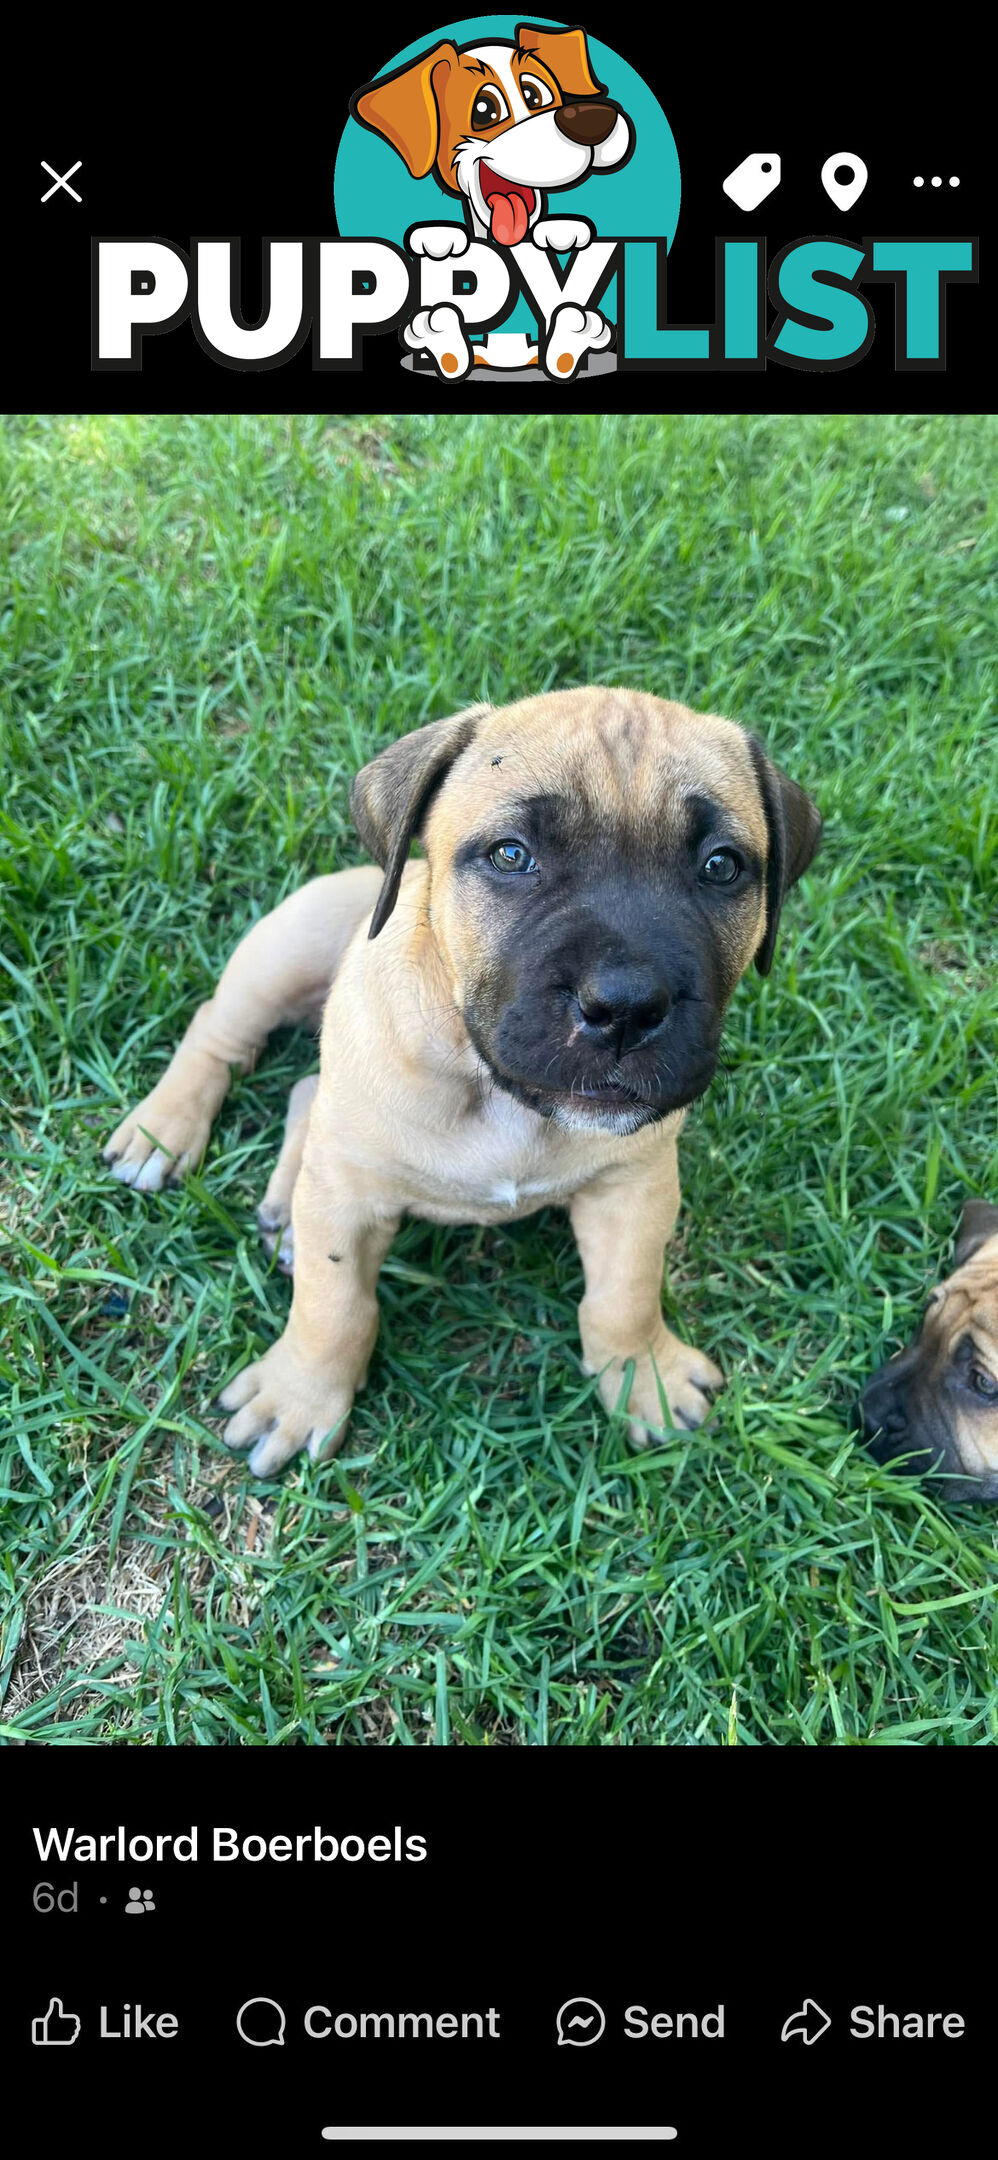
(754, 179)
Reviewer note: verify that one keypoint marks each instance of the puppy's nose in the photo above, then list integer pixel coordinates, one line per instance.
(586, 123)
(878, 1411)
(623, 1005)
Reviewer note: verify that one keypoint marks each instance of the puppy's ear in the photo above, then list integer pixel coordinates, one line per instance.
(566, 53)
(794, 826)
(978, 1223)
(403, 107)
(390, 797)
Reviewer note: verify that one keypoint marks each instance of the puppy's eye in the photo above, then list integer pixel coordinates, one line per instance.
(511, 855)
(722, 867)
(984, 1383)
(535, 94)
(489, 106)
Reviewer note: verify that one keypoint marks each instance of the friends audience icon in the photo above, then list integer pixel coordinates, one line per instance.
(140, 1901)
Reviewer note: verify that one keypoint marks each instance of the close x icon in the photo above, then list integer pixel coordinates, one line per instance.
(60, 181)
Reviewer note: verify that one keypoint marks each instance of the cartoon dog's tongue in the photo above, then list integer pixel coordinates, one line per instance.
(509, 206)
(509, 219)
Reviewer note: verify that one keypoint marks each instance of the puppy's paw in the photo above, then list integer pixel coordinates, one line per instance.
(158, 1141)
(280, 1407)
(573, 332)
(277, 1234)
(438, 241)
(439, 332)
(561, 234)
(688, 1382)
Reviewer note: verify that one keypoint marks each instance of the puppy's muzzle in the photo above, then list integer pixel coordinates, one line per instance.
(588, 124)
(883, 1422)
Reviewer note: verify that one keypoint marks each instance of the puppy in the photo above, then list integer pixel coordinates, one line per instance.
(500, 124)
(935, 1404)
(520, 1019)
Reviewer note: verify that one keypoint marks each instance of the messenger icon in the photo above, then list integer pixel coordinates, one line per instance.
(580, 2022)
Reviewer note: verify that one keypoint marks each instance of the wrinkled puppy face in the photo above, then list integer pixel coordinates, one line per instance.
(936, 1403)
(603, 868)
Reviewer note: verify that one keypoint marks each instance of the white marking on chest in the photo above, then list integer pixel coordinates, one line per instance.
(508, 1194)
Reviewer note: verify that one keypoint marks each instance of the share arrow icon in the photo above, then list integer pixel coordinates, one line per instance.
(807, 2024)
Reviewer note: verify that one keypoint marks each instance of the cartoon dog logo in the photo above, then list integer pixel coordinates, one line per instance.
(501, 124)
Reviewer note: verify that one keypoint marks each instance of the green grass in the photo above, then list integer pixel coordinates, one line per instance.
(208, 624)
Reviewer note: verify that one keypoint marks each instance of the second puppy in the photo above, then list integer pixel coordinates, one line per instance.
(933, 1408)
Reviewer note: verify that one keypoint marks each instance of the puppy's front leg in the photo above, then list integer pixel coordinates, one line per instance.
(622, 1222)
(300, 1394)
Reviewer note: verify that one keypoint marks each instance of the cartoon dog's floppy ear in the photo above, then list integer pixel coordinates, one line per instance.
(403, 107)
(794, 826)
(566, 53)
(978, 1223)
(391, 796)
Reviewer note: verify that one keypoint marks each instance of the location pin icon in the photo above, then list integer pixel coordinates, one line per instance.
(844, 193)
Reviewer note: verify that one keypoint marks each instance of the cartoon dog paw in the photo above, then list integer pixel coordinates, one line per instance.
(437, 241)
(439, 331)
(573, 332)
(561, 235)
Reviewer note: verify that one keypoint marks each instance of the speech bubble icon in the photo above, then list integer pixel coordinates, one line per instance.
(580, 2022)
(260, 2022)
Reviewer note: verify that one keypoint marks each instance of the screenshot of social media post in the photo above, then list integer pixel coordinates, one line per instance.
(499, 1184)
(501, 1259)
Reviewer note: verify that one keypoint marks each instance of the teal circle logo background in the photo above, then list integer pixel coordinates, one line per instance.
(376, 197)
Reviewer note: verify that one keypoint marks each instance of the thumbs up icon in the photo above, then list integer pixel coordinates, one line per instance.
(58, 2028)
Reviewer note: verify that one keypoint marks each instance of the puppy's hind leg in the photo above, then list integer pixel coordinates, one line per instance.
(277, 977)
(274, 1211)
